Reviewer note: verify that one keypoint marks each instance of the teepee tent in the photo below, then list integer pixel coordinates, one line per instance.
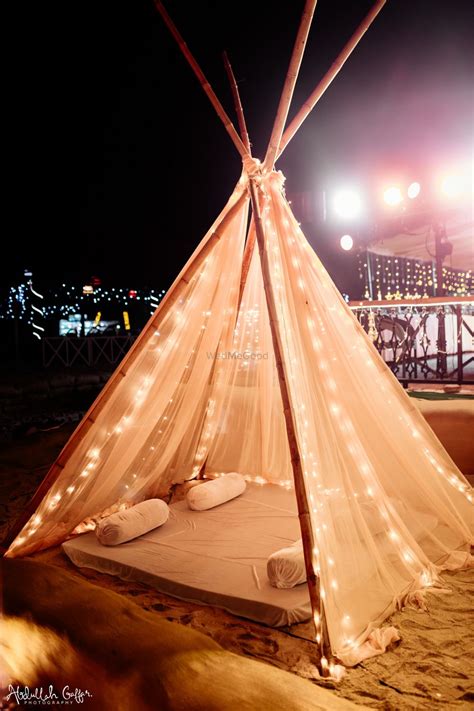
(253, 363)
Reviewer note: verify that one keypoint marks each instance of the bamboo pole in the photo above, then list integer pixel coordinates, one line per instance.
(248, 246)
(335, 68)
(247, 259)
(174, 292)
(289, 85)
(237, 103)
(250, 243)
(247, 256)
(230, 128)
(298, 476)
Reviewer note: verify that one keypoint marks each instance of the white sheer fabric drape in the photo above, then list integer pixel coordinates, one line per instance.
(388, 505)
(387, 501)
(147, 431)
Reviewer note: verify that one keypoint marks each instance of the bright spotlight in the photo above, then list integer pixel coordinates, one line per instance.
(413, 190)
(347, 203)
(393, 196)
(346, 242)
(451, 186)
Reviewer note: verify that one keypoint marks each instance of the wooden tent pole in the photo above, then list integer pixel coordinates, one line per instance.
(298, 476)
(289, 85)
(247, 259)
(335, 68)
(229, 126)
(237, 103)
(90, 417)
(250, 243)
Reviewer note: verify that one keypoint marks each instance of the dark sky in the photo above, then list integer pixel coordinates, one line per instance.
(120, 163)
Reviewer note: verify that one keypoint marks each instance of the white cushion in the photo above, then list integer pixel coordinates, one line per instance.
(286, 567)
(125, 525)
(215, 492)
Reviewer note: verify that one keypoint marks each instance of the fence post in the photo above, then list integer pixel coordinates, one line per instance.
(441, 359)
(459, 344)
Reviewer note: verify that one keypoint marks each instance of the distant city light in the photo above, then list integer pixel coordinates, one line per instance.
(347, 204)
(451, 186)
(413, 190)
(346, 242)
(25, 303)
(393, 196)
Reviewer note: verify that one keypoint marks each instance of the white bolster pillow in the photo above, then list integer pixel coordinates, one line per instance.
(286, 567)
(215, 492)
(131, 523)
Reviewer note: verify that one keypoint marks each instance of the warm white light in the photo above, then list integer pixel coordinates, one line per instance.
(347, 204)
(393, 196)
(54, 501)
(346, 242)
(451, 186)
(413, 190)
(426, 579)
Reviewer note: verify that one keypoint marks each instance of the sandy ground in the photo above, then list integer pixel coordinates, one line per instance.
(65, 631)
(432, 667)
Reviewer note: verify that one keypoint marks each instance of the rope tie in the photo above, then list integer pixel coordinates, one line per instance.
(252, 166)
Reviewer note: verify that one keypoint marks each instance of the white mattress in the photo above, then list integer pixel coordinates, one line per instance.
(216, 557)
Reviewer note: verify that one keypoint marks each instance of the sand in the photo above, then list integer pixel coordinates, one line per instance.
(432, 667)
(127, 658)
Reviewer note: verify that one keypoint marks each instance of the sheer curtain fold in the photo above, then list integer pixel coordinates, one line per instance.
(389, 508)
(153, 415)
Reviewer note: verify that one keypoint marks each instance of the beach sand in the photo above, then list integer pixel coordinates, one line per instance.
(431, 668)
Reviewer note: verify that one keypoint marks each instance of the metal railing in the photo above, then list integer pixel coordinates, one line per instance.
(430, 340)
(85, 350)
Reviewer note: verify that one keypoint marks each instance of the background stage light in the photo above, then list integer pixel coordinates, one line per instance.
(392, 196)
(347, 203)
(413, 190)
(451, 186)
(346, 242)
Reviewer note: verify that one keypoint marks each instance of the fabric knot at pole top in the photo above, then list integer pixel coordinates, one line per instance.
(252, 166)
(253, 170)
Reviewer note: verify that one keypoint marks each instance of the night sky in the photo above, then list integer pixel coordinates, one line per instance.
(120, 164)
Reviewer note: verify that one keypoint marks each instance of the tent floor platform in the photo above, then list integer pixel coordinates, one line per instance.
(216, 557)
